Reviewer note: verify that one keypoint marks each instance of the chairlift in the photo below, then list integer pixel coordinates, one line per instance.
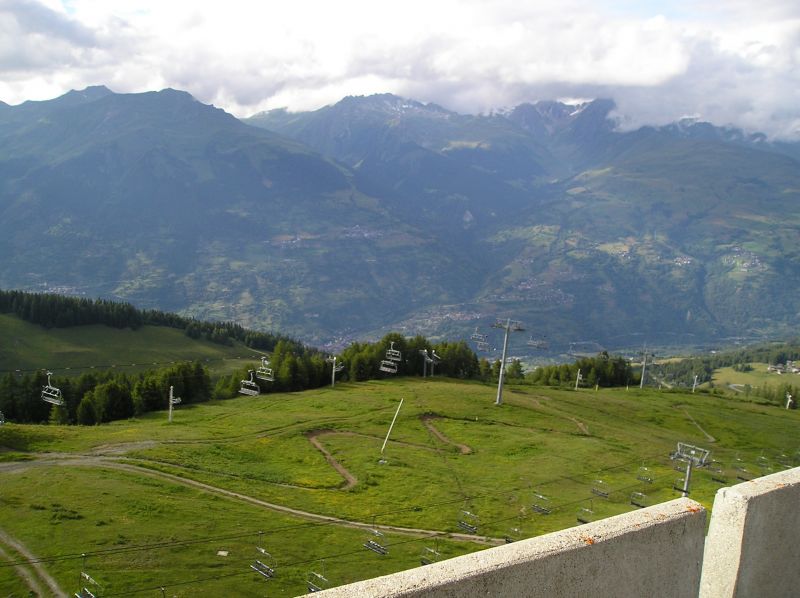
(538, 343)
(718, 472)
(639, 499)
(743, 475)
(393, 354)
(264, 372)
(585, 515)
(374, 545)
(429, 556)
(482, 346)
(764, 465)
(250, 387)
(388, 366)
(265, 566)
(2, 418)
(513, 535)
(541, 504)
(600, 488)
(477, 336)
(645, 475)
(51, 394)
(678, 485)
(679, 466)
(468, 522)
(86, 592)
(316, 582)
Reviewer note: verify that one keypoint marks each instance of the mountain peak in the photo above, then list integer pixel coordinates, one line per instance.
(88, 94)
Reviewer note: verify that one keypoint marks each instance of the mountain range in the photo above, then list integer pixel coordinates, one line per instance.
(381, 213)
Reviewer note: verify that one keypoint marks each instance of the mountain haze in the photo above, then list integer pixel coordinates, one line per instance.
(381, 212)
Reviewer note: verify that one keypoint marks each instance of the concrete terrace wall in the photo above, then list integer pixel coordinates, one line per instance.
(655, 551)
(752, 549)
(753, 545)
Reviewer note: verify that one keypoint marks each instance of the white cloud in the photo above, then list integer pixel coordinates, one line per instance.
(734, 62)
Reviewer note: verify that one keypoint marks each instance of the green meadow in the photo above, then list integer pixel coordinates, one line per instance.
(152, 504)
(74, 350)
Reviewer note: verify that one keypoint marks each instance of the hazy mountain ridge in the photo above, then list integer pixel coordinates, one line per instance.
(380, 212)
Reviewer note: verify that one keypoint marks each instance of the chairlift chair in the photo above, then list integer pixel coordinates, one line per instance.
(250, 387)
(600, 488)
(482, 346)
(266, 566)
(2, 418)
(375, 545)
(264, 372)
(393, 354)
(468, 522)
(390, 367)
(678, 485)
(645, 475)
(477, 336)
(513, 534)
(537, 343)
(51, 394)
(316, 582)
(84, 593)
(585, 515)
(639, 499)
(541, 504)
(429, 556)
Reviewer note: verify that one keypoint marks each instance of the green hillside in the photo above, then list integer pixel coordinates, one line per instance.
(74, 350)
(128, 493)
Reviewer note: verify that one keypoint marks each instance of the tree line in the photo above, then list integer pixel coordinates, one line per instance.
(94, 398)
(602, 370)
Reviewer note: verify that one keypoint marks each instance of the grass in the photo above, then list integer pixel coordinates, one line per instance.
(554, 443)
(75, 350)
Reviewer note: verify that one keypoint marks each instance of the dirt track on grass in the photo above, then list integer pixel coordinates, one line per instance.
(32, 578)
(350, 479)
(62, 459)
(426, 420)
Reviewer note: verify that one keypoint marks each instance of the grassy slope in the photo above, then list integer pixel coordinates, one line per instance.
(756, 378)
(29, 346)
(258, 446)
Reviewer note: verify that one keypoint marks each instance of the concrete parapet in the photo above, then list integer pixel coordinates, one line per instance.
(655, 551)
(753, 544)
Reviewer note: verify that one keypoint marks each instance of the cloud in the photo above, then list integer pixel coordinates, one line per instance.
(730, 63)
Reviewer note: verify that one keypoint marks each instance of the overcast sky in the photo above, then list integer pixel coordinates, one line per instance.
(726, 61)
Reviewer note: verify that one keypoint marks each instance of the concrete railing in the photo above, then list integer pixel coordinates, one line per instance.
(752, 549)
(656, 551)
(753, 545)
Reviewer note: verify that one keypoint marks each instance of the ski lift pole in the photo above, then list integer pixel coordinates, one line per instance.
(333, 372)
(170, 404)
(499, 400)
(391, 425)
(687, 479)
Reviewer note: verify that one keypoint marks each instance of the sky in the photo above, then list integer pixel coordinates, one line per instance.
(729, 62)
